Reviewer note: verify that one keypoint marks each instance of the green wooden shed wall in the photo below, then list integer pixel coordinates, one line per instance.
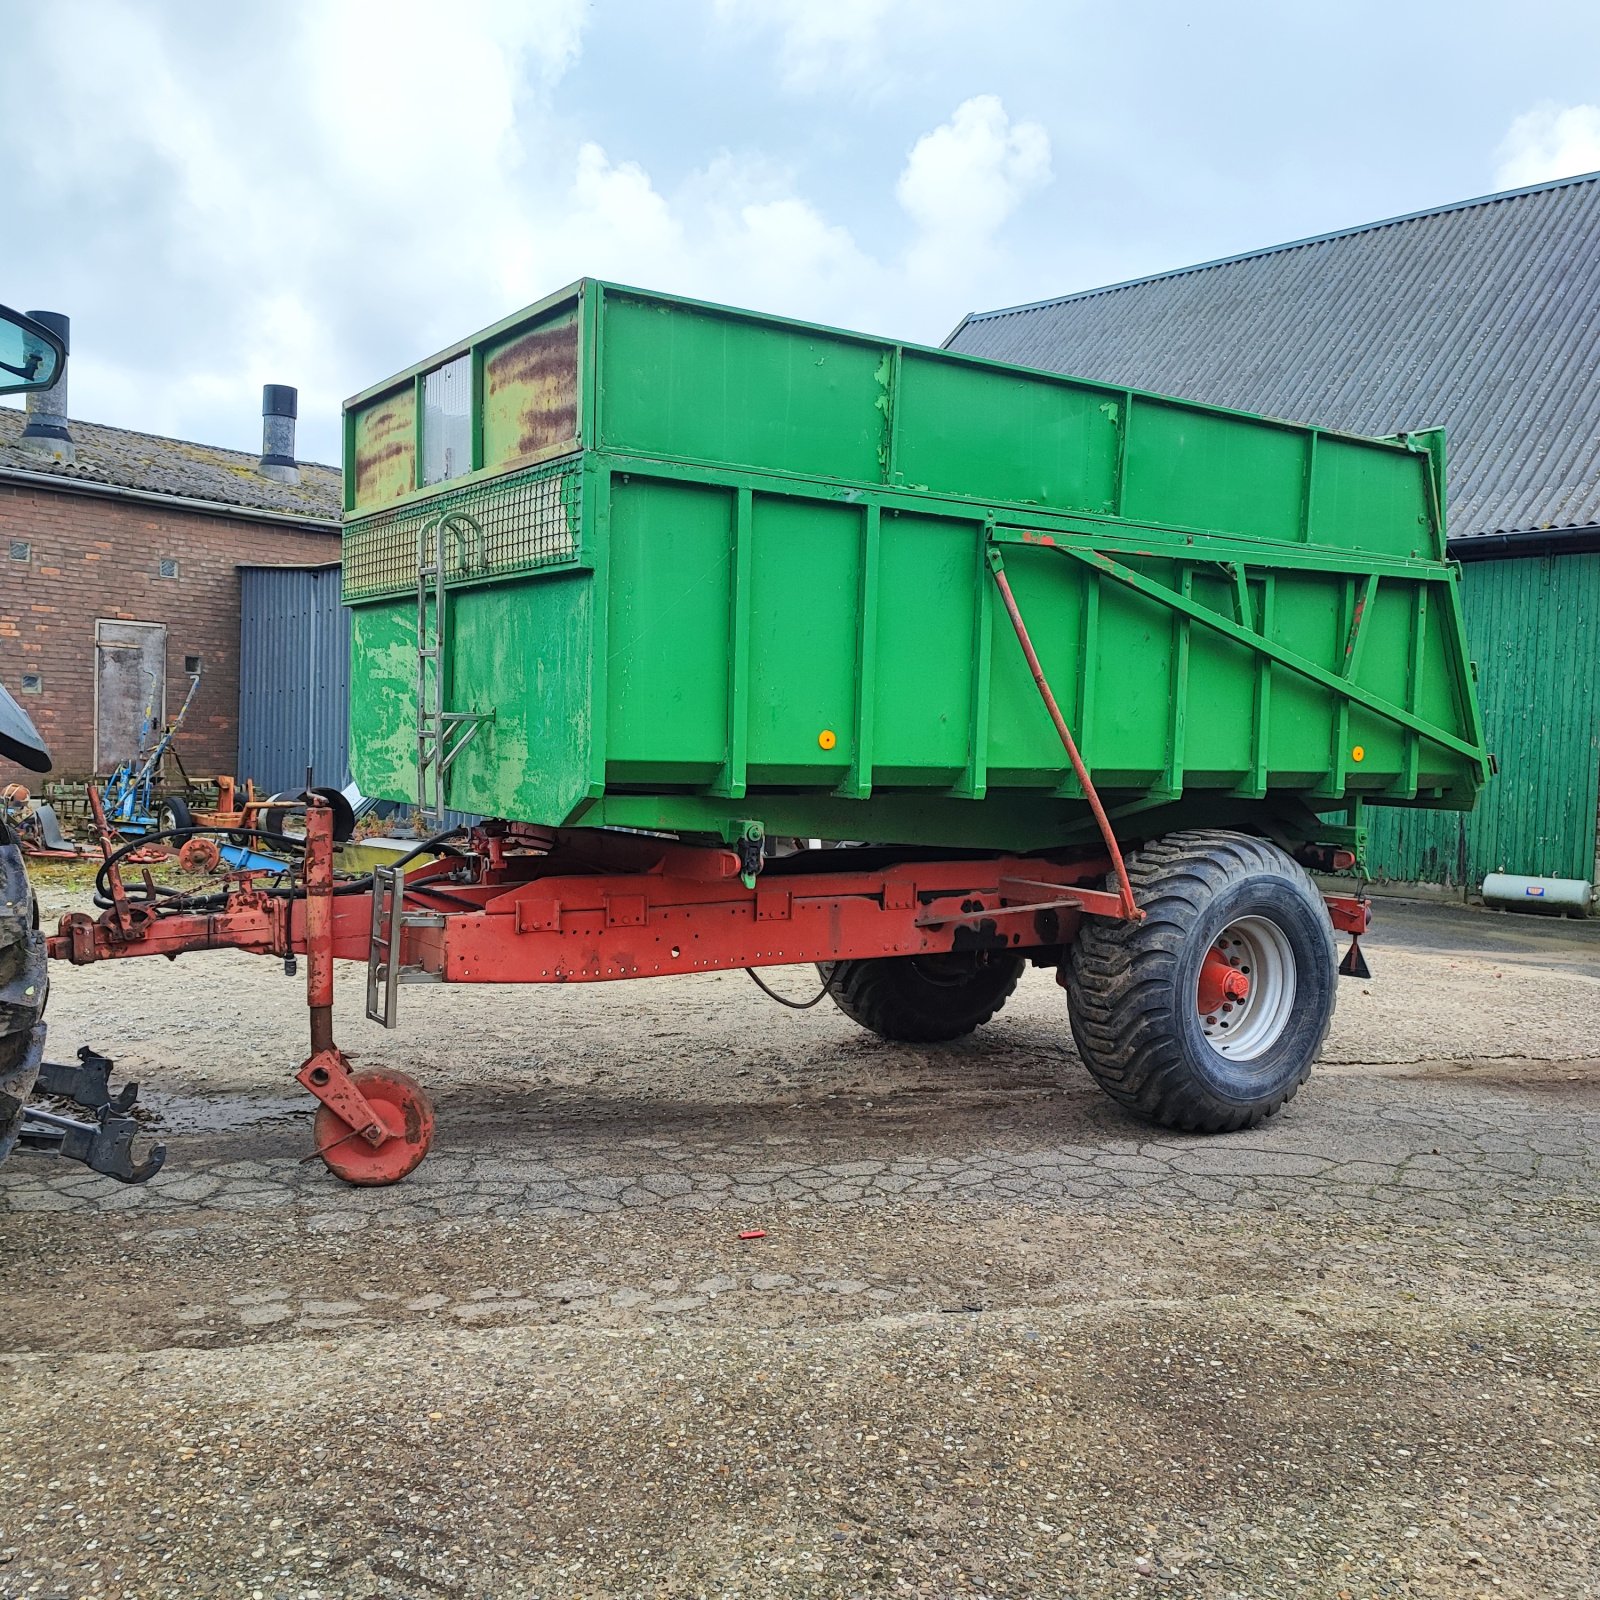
(1533, 625)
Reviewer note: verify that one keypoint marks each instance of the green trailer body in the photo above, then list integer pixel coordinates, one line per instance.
(641, 561)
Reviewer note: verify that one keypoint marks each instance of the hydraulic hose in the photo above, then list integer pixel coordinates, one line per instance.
(177, 900)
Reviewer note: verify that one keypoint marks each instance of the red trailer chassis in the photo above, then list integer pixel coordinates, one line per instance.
(526, 905)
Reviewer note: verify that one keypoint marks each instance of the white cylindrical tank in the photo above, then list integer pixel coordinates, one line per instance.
(1571, 897)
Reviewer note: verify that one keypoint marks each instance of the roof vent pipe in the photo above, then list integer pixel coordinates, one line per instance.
(47, 432)
(280, 405)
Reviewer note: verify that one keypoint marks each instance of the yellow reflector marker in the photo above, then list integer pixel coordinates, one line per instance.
(827, 738)
(1359, 753)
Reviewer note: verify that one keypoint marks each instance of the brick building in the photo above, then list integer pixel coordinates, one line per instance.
(119, 558)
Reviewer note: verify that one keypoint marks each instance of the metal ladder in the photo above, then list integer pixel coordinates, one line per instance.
(441, 734)
(390, 919)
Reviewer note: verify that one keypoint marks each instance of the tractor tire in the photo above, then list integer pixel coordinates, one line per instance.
(923, 999)
(1208, 1015)
(24, 987)
(285, 814)
(174, 813)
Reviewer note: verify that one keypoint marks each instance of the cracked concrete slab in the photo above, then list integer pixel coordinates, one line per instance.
(1352, 1348)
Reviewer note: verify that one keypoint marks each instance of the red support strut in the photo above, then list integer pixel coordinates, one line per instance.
(1129, 906)
(373, 1127)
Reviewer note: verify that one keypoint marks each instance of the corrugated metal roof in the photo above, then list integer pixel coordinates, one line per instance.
(124, 459)
(1483, 317)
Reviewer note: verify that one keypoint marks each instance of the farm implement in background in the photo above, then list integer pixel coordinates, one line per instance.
(35, 825)
(129, 801)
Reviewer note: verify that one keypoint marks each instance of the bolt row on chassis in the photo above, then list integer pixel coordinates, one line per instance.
(513, 904)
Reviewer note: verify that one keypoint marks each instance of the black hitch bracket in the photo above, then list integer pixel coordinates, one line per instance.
(88, 1084)
(104, 1145)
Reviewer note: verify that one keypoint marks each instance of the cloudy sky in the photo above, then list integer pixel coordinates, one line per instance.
(319, 192)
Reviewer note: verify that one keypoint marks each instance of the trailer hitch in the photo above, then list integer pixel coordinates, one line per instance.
(88, 1084)
(104, 1145)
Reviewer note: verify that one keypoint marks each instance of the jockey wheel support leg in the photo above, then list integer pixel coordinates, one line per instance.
(372, 1127)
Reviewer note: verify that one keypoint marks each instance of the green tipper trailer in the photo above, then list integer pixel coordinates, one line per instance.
(702, 568)
(672, 595)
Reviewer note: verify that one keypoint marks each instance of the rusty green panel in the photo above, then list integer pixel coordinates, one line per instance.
(530, 392)
(518, 646)
(383, 449)
(1533, 624)
(516, 396)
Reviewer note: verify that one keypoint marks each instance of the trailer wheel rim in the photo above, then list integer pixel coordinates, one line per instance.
(406, 1112)
(1253, 952)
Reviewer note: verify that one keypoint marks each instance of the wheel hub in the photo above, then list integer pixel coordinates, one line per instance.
(1246, 989)
(1221, 982)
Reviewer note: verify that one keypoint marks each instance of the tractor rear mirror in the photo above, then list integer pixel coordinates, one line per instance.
(31, 356)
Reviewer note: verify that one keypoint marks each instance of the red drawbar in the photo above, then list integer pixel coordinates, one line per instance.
(581, 907)
(593, 907)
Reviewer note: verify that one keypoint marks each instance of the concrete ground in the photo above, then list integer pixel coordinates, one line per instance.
(998, 1338)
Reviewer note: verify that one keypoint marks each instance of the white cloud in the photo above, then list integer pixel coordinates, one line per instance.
(279, 203)
(738, 230)
(1549, 142)
(962, 181)
(791, 248)
(828, 42)
(618, 220)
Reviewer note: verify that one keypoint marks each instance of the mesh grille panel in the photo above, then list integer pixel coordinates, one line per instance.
(513, 524)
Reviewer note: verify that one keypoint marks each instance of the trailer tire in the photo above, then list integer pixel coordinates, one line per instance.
(1220, 909)
(923, 999)
(174, 813)
(24, 988)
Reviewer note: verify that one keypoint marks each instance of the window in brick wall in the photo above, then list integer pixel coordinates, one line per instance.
(32, 683)
(21, 550)
(191, 665)
(167, 567)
